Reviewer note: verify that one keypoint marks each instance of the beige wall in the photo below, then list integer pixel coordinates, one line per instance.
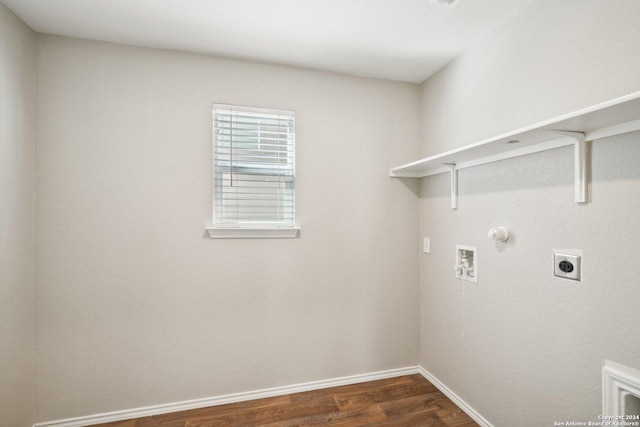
(521, 346)
(17, 125)
(136, 307)
(553, 58)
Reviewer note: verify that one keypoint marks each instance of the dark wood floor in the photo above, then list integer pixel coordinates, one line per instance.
(403, 401)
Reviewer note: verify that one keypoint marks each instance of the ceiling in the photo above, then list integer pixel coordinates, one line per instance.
(404, 40)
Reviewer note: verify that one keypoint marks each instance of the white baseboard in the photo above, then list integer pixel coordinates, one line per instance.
(147, 411)
(225, 399)
(454, 398)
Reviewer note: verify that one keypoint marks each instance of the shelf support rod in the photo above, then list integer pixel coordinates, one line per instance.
(579, 162)
(580, 169)
(454, 184)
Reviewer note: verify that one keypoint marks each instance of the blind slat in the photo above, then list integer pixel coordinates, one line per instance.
(255, 146)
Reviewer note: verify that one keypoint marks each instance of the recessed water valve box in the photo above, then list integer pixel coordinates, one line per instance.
(567, 265)
(467, 263)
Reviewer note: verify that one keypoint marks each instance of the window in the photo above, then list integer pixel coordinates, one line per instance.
(253, 172)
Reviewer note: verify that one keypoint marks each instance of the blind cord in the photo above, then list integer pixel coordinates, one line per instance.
(231, 149)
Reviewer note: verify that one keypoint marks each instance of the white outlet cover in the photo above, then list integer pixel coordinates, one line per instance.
(573, 256)
(426, 245)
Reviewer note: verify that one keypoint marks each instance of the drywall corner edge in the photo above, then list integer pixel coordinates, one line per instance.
(226, 399)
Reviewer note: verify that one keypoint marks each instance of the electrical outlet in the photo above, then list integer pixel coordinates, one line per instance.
(567, 266)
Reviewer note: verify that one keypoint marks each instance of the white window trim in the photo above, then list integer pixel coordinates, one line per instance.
(255, 232)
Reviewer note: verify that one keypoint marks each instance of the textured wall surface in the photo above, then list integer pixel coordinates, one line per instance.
(17, 273)
(137, 308)
(553, 58)
(522, 347)
(520, 339)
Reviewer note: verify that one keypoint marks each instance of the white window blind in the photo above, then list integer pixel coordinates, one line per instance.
(254, 167)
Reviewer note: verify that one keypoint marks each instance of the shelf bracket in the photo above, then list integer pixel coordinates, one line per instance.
(454, 184)
(579, 163)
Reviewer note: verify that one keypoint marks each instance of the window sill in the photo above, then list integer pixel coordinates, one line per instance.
(253, 232)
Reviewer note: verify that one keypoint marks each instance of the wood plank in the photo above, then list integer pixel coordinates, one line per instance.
(382, 394)
(360, 417)
(427, 419)
(127, 423)
(452, 415)
(411, 405)
(266, 415)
